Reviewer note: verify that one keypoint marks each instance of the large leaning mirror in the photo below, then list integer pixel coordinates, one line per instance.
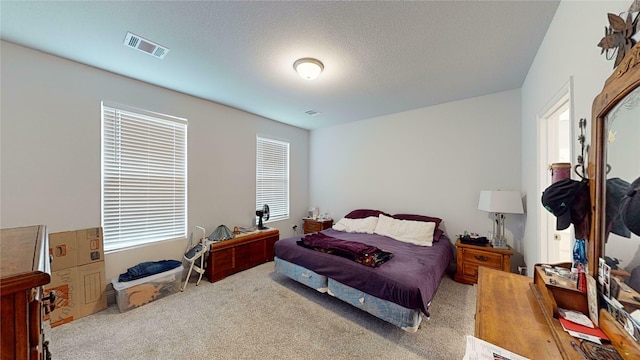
(614, 171)
(614, 163)
(623, 157)
(614, 157)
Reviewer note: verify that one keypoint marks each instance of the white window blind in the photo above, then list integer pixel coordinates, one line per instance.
(144, 177)
(272, 177)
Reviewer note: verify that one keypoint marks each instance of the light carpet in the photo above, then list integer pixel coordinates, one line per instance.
(259, 314)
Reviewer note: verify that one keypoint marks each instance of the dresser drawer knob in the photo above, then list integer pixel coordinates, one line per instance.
(481, 258)
(49, 302)
(45, 351)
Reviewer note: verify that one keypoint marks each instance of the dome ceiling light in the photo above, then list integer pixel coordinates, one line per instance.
(308, 68)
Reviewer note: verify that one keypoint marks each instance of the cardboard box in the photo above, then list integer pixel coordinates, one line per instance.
(93, 286)
(80, 291)
(63, 247)
(76, 248)
(90, 246)
(65, 283)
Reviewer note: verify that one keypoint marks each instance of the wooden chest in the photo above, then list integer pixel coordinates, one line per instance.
(240, 253)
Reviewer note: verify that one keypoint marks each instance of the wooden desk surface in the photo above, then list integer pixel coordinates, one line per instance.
(508, 315)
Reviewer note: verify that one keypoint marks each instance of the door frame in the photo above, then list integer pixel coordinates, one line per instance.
(545, 225)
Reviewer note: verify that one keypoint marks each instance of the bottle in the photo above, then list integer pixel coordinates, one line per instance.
(582, 279)
(579, 253)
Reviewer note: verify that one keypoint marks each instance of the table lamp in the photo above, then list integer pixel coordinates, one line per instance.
(500, 203)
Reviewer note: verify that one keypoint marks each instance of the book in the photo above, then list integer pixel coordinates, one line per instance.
(570, 326)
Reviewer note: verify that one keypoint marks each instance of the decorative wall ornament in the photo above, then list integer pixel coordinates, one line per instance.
(618, 37)
(580, 169)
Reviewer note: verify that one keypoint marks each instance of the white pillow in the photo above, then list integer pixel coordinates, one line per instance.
(414, 232)
(366, 225)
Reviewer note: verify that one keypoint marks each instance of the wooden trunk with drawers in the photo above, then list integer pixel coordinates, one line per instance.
(240, 253)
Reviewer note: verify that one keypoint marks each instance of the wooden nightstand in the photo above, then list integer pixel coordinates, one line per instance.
(311, 225)
(470, 257)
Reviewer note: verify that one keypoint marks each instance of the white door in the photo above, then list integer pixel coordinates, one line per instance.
(555, 147)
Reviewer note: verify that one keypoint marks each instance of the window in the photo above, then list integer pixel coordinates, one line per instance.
(144, 176)
(272, 177)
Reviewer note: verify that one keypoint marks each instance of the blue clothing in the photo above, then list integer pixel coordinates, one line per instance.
(148, 268)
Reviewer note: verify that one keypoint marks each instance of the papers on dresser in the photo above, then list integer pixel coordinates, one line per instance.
(481, 350)
(581, 328)
(576, 317)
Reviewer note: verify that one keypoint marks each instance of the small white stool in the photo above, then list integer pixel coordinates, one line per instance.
(195, 256)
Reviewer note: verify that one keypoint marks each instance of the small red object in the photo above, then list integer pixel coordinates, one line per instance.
(582, 282)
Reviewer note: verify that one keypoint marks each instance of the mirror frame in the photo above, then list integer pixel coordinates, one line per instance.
(625, 78)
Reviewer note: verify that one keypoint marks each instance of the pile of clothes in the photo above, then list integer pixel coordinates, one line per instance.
(148, 268)
(361, 253)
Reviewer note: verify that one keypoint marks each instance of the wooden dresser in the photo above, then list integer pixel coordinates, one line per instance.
(513, 312)
(508, 315)
(25, 269)
(240, 253)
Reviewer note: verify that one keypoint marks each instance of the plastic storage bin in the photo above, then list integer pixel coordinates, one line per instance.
(133, 294)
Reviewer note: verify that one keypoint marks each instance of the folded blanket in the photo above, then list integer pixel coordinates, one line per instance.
(361, 253)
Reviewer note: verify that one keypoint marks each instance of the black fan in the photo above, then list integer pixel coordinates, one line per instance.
(263, 213)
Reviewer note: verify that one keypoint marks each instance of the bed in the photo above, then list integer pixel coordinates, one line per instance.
(398, 291)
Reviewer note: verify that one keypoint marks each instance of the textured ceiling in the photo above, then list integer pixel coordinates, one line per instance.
(380, 57)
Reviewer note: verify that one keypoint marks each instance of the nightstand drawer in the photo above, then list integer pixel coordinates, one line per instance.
(483, 258)
(470, 270)
(311, 225)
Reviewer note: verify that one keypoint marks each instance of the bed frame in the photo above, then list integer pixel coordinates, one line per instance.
(407, 319)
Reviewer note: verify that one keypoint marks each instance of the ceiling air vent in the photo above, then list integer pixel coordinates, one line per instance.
(144, 45)
(312, 113)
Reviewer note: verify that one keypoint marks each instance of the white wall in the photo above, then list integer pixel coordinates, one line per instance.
(50, 151)
(431, 161)
(569, 49)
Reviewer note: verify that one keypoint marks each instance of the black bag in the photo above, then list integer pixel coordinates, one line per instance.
(189, 255)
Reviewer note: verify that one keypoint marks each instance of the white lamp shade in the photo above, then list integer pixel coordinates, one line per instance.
(308, 68)
(497, 201)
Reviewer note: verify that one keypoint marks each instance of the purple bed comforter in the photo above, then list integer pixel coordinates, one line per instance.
(410, 279)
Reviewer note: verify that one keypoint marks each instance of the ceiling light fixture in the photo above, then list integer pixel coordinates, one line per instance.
(308, 68)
